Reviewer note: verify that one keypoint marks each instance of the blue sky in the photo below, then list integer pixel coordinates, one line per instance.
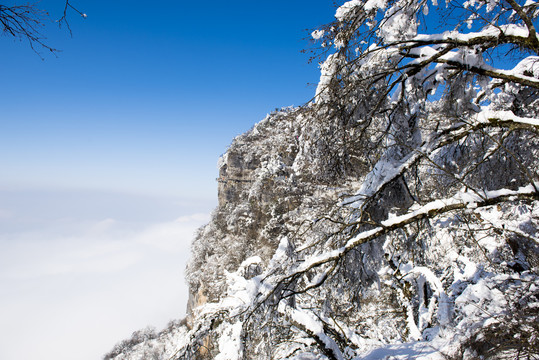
(108, 156)
(144, 98)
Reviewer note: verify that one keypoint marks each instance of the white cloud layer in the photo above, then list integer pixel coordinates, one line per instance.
(72, 288)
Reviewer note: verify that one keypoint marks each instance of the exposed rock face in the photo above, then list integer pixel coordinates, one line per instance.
(256, 188)
(235, 176)
(195, 300)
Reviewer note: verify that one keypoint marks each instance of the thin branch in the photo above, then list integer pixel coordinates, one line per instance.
(532, 34)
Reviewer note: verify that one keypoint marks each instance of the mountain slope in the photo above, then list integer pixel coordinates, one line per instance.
(396, 215)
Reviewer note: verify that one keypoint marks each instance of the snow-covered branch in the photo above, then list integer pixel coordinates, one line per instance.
(489, 71)
(506, 119)
(533, 40)
(461, 200)
(385, 172)
(308, 323)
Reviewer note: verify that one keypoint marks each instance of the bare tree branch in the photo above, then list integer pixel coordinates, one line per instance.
(26, 22)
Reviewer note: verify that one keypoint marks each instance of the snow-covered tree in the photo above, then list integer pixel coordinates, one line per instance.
(395, 214)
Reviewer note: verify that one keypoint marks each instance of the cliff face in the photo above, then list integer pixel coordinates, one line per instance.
(235, 175)
(260, 194)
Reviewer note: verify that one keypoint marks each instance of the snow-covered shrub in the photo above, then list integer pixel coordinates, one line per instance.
(138, 337)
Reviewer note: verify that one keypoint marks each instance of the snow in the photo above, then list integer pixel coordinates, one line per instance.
(375, 4)
(317, 34)
(346, 8)
(327, 70)
(414, 350)
(436, 284)
(486, 115)
(280, 254)
(384, 171)
(312, 325)
(489, 31)
(398, 25)
(230, 342)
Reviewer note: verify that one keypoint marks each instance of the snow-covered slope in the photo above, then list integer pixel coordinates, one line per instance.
(396, 216)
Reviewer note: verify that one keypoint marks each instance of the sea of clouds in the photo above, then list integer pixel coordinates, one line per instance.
(80, 271)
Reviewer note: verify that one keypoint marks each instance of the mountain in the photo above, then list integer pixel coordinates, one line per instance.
(395, 216)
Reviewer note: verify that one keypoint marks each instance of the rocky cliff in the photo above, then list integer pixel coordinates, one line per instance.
(396, 216)
(426, 284)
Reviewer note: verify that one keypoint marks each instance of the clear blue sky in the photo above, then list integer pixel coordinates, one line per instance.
(108, 156)
(146, 95)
